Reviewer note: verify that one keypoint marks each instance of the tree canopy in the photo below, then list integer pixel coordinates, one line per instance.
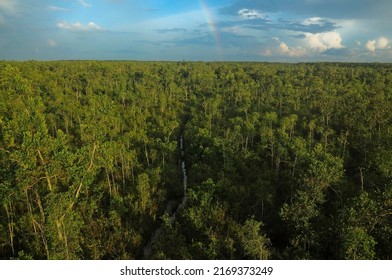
(283, 161)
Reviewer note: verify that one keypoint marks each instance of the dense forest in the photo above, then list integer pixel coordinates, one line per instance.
(283, 161)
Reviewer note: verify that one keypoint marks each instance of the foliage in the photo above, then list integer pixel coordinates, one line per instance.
(282, 160)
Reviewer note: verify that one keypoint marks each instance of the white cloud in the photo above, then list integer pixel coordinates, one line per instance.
(291, 51)
(52, 43)
(324, 41)
(91, 26)
(283, 47)
(58, 9)
(266, 52)
(312, 20)
(233, 29)
(382, 43)
(280, 48)
(371, 45)
(85, 4)
(8, 7)
(250, 14)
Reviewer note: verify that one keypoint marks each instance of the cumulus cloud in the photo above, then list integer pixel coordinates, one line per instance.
(291, 51)
(324, 41)
(282, 49)
(371, 45)
(381, 43)
(250, 14)
(78, 27)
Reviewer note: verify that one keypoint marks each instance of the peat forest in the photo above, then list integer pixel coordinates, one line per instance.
(188, 160)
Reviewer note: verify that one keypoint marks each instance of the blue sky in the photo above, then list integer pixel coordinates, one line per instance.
(207, 30)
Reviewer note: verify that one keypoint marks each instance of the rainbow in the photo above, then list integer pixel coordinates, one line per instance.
(210, 20)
